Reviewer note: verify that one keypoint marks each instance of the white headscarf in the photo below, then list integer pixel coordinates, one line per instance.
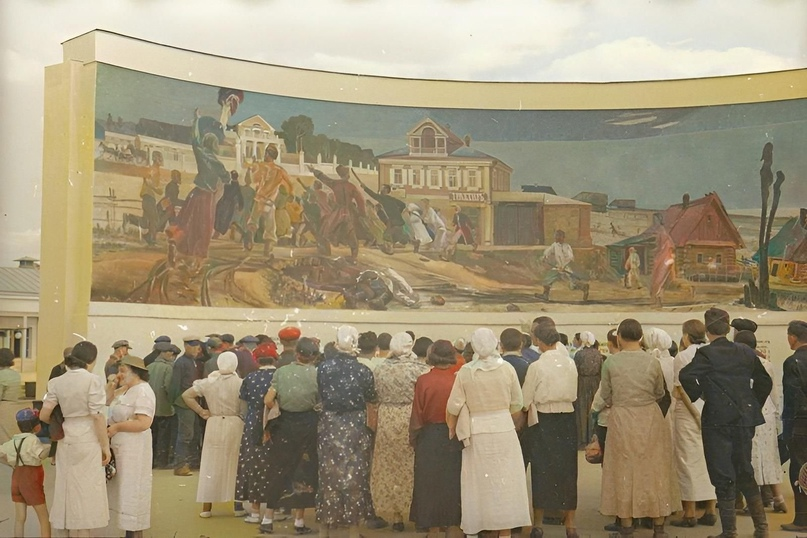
(658, 343)
(347, 339)
(486, 350)
(587, 338)
(401, 346)
(227, 363)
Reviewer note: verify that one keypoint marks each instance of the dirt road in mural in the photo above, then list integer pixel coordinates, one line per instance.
(492, 280)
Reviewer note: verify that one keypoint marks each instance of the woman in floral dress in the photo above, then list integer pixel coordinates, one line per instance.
(393, 476)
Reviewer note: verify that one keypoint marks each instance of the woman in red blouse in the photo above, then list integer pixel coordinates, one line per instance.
(438, 459)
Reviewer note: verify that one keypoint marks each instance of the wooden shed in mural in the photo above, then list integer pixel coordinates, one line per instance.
(705, 239)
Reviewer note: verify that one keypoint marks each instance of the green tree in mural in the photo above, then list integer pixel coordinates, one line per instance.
(760, 295)
(294, 130)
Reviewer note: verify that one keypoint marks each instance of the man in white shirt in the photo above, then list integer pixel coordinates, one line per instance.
(558, 257)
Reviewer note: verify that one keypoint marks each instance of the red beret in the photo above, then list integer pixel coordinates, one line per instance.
(269, 349)
(289, 333)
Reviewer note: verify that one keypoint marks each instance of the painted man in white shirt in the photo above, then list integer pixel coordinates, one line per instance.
(558, 257)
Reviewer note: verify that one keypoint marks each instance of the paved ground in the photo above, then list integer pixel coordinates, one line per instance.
(175, 514)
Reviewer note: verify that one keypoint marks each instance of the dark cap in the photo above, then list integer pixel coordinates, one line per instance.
(226, 337)
(121, 343)
(175, 349)
(248, 339)
(26, 414)
(163, 346)
(162, 338)
(742, 324)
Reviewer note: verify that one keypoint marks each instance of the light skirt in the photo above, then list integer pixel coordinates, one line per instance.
(493, 484)
(130, 489)
(219, 465)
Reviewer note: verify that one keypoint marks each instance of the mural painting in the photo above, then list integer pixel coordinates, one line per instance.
(222, 197)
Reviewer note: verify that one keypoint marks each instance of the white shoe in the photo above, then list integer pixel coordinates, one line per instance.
(206, 514)
(252, 519)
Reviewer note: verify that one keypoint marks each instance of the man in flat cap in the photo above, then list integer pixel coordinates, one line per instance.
(119, 350)
(288, 339)
(734, 386)
(184, 373)
(154, 353)
(163, 427)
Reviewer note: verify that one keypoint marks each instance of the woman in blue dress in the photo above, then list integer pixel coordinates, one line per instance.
(250, 483)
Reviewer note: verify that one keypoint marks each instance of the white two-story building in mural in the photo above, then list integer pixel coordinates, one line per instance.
(440, 166)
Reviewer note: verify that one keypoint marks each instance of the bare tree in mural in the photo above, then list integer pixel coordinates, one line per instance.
(760, 296)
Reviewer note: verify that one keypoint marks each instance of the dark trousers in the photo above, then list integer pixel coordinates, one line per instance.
(163, 433)
(294, 436)
(189, 441)
(728, 461)
(797, 444)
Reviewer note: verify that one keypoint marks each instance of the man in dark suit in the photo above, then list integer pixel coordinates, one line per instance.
(794, 416)
(734, 385)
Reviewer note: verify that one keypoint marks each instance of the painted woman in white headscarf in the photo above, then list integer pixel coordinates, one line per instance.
(485, 396)
(393, 476)
(417, 229)
(588, 360)
(219, 466)
(346, 388)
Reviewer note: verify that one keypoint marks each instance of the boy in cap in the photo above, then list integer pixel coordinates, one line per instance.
(152, 356)
(734, 386)
(25, 453)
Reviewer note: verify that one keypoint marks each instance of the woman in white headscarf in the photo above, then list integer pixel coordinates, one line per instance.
(219, 465)
(588, 360)
(346, 388)
(392, 479)
(481, 408)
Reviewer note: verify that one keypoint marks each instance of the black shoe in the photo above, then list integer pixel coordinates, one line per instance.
(685, 522)
(266, 528)
(612, 527)
(302, 530)
(398, 527)
(376, 523)
(707, 519)
(537, 533)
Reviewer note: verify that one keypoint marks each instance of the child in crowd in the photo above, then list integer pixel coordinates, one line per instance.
(25, 453)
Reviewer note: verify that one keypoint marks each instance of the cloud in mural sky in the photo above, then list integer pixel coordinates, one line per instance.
(530, 40)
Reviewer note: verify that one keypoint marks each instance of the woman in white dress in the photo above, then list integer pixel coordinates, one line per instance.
(131, 412)
(79, 496)
(765, 445)
(419, 234)
(690, 463)
(484, 401)
(219, 466)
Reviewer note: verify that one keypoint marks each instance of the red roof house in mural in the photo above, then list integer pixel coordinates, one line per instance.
(705, 239)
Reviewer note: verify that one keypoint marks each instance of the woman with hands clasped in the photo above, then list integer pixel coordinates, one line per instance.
(79, 495)
(132, 405)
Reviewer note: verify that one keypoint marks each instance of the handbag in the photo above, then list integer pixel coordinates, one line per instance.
(111, 468)
(55, 427)
(594, 450)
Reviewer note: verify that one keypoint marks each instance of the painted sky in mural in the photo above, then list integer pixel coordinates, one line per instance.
(364, 206)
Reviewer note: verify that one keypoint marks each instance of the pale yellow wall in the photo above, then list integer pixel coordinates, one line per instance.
(66, 314)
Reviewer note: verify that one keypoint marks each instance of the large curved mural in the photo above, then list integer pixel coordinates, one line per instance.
(217, 196)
